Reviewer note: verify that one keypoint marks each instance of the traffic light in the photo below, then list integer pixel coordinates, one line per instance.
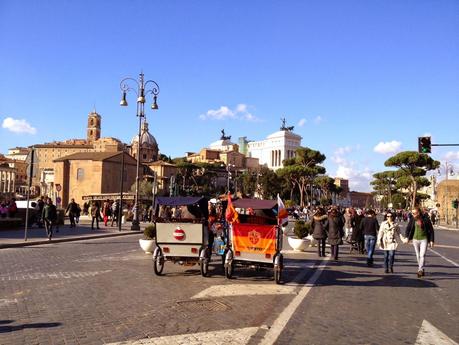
(424, 145)
(455, 203)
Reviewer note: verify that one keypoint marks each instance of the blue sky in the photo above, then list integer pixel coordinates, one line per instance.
(359, 80)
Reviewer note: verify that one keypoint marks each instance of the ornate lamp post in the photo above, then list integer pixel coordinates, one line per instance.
(141, 89)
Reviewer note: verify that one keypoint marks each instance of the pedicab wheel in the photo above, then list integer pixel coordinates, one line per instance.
(229, 269)
(158, 264)
(278, 275)
(278, 269)
(204, 263)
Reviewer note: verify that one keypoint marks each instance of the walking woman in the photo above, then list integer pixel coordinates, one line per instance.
(388, 235)
(319, 228)
(335, 231)
(421, 232)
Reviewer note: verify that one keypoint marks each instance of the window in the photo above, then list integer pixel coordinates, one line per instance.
(144, 156)
(80, 174)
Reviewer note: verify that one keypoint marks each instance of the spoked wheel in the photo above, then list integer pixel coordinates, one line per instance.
(204, 263)
(158, 263)
(278, 266)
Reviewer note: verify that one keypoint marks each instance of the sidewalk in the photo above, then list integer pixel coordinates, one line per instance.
(446, 227)
(35, 236)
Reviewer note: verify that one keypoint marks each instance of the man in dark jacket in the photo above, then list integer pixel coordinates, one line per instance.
(72, 209)
(49, 216)
(421, 232)
(369, 227)
(319, 229)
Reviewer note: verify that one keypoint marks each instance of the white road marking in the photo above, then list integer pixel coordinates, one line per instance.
(245, 290)
(281, 321)
(4, 302)
(444, 257)
(52, 275)
(231, 337)
(429, 334)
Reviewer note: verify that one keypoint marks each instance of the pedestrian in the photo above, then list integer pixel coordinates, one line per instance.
(49, 216)
(95, 214)
(12, 208)
(357, 234)
(115, 211)
(420, 231)
(349, 223)
(77, 214)
(335, 231)
(369, 227)
(3, 210)
(106, 211)
(72, 209)
(388, 235)
(319, 228)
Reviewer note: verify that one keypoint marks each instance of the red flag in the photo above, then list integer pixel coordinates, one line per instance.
(231, 215)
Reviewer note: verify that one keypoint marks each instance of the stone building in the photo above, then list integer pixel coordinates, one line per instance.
(45, 154)
(7, 181)
(447, 191)
(149, 151)
(275, 148)
(85, 173)
(164, 171)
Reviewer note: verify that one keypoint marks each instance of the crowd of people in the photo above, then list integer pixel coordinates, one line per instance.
(363, 232)
(8, 208)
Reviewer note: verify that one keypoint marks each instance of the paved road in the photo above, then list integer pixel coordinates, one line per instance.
(104, 291)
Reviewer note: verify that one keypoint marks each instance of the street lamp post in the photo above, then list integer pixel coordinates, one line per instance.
(141, 89)
(228, 166)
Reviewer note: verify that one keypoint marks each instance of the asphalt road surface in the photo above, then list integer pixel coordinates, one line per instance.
(105, 292)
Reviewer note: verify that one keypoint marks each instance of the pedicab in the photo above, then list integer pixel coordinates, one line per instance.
(254, 237)
(181, 233)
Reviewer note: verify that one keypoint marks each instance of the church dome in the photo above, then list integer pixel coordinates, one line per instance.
(146, 139)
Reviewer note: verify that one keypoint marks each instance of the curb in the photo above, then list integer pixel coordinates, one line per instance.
(70, 239)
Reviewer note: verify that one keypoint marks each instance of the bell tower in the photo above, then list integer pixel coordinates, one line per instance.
(93, 131)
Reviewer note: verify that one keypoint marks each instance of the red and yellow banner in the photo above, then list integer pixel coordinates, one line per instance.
(253, 238)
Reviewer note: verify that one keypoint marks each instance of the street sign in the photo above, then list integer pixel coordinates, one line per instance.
(58, 187)
(58, 200)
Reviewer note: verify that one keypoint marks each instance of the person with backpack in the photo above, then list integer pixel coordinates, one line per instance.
(49, 216)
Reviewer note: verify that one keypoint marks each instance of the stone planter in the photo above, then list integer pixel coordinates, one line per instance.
(147, 245)
(297, 244)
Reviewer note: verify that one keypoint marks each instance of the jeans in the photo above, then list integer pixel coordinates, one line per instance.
(420, 247)
(321, 246)
(370, 242)
(389, 257)
(48, 227)
(334, 251)
(97, 222)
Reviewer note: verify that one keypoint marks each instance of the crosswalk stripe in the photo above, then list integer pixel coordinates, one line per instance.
(244, 290)
(239, 336)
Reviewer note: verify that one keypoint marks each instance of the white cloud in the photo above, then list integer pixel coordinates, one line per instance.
(18, 126)
(359, 177)
(318, 120)
(388, 147)
(452, 156)
(240, 112)
(301, 122)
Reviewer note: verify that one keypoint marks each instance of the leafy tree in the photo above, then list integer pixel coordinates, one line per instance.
(145, 189)
(385, 183)
(302, 169)
(412, 167)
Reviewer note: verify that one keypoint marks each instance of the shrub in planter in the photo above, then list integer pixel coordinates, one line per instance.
(150, 232)
(301, 229)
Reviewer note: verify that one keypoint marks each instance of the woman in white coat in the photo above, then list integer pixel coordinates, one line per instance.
(388, 235)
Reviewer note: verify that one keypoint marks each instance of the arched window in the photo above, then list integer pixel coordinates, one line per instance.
(80, 174)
